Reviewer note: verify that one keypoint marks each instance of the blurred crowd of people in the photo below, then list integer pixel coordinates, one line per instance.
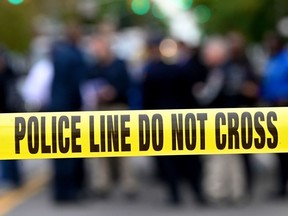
(82, 72)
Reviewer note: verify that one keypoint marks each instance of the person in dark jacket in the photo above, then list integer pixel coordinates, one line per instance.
(111, 75)
(167, 86)
(10, 169)
(240, 89)
(69, 71)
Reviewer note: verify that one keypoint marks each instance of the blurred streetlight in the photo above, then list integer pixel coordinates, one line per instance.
(185, 4)
(16, 2)
(140, 7)
(203, 13)
(157, 12)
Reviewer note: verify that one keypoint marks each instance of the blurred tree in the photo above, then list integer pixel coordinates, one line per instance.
(126, 13)
(15, 22)
(252, 18)
(16, 19)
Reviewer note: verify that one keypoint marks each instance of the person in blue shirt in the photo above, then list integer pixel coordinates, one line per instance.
(275, 88)
(275, 93)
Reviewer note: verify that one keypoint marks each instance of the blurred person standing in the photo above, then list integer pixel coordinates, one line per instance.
(240, 86)
(194, 73)
(166, 86)
(190, 62)
(224, 182)
(11, 176)
(36, 88)
(275, 93)
(110, 75)
(69, 70)
(240, 89)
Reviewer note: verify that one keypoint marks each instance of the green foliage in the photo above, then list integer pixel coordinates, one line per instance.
(251, 17)
(15, 25)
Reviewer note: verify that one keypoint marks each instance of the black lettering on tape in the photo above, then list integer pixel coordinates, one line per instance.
(190, 131)
(144, 132)
(44, 147)
(177, 132)
(33, 132)
(63, 123)
(113, 133)
(157, 128)
(75, 134)
(202, 117)
(20, 131)
(272, 143)
(54, 135)
(233, 125)
(125, 132)
(93, 146)
(259, 142)
(221, 140)
(102, 129)
(246, 130)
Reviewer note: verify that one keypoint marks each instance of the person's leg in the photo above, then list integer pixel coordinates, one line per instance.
(236, 178)
(248, 173)
(127, 177)
(11, 172)
(101, 183)
(171, 177)
(79, 174)
(216, 187)
(283, 174)
(193, 170)
(64, 182)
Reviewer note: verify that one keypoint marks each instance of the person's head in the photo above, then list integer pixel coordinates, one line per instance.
(236, 44)
(101, 47)
(214, 53)
(153, 44)
(184, 50)
(274, 43)
(73, 32)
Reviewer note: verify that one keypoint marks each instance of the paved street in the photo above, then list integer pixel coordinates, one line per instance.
(35, 199)
(41, 205)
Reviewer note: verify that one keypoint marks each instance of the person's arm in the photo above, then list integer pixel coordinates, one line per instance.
(206, 93)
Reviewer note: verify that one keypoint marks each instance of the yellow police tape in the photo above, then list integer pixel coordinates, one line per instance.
(143, 133)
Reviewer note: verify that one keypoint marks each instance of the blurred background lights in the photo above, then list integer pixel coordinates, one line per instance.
(157, 12)
(168, 48)
(140, 7)
(185, 4)
(182, 23)
(15, 2)
(282, 26)
(203, 13)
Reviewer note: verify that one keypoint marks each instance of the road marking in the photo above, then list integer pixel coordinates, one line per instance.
(14, 198)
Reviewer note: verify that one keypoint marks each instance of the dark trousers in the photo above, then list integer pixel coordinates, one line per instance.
(283, 173)
(68, 179)
(175, 168)
(11, 172)
(248, 173)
